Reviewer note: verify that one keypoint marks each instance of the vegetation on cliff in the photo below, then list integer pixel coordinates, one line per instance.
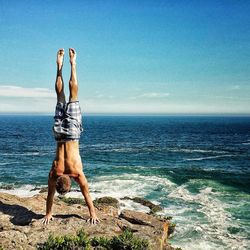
(126, 240)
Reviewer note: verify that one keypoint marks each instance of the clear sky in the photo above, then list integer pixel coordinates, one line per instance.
(164, 57)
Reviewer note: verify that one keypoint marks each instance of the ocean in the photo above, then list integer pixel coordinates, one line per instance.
(196, 168)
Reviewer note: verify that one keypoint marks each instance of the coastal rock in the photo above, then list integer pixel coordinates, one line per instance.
(107, 205)
(21, 228)
(154, 229)
(106, 200)
(41, 190)
(153, 207)
(139, 218)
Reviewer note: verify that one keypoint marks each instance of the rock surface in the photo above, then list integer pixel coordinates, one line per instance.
(21, 228)
(153, 208)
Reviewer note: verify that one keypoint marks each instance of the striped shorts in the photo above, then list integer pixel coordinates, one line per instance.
(67, 121)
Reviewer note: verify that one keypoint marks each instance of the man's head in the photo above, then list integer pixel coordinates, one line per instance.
(63, 184)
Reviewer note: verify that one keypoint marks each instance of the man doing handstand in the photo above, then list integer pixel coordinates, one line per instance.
(67, 129)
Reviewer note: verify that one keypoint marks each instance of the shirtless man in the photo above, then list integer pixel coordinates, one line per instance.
(67, 129)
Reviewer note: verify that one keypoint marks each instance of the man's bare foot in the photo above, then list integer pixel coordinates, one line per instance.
(60, 55)
(72, 56)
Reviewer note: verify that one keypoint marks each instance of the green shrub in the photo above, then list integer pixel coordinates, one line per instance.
(126, 241)
(129, 242)
(100, 242)
(66, 242)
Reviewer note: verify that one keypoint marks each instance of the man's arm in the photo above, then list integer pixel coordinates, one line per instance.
(50, 198)
(83, 184)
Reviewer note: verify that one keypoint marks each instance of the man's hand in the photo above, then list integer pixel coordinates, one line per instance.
(47, 219)
(93, 220)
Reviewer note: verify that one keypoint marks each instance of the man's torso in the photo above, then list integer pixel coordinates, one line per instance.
(67, 160)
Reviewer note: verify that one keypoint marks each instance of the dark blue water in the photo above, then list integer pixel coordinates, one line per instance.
(197, 168)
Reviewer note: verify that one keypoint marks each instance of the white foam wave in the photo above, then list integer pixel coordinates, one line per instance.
(8, 163)
(131, 205)
(142, 147)
(208, 157)
(188, 150)
(22, 154)
(126, 185)
(178, 150)
(124, 204)
(212, 229)
(23, 191)
(113, 185)
(245, 143)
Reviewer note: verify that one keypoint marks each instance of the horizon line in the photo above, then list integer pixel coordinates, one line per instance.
(129, 114)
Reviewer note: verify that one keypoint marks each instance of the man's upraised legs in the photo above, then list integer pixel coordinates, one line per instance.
(73, 84)
(59, 86)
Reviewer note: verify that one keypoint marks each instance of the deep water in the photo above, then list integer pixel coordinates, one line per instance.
(197, 168)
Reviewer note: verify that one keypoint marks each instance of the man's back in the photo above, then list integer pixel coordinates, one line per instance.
(67, 160)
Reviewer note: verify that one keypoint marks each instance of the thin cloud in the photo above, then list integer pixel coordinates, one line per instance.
(235, 87)
(239, 98)
(101, 96)
(151, 95)
(17, 91)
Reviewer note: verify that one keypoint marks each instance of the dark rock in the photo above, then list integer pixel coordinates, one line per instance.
(136, 217)
(7, 186)
(108, 205)
(43, 190)
(171, 228)
(71, 201)
(153, 229)
(153, 208)
(106, 200)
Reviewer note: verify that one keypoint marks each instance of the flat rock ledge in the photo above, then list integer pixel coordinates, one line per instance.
(21, 227)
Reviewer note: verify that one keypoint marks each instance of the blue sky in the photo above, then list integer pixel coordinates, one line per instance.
(162, 57)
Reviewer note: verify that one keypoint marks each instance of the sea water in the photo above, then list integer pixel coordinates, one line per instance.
(196, 168)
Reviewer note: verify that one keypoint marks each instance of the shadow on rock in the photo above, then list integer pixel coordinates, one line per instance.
(67, 216)
(21, 215)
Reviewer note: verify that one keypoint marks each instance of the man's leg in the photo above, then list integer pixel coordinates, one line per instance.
(73, 85)
(59, 86)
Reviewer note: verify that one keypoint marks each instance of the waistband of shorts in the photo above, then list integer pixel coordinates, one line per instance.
(67, 140)
(73, 101)
(63, 103)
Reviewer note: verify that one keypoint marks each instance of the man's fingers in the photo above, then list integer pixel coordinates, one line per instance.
(45, 221)
(97, 220)
(93, 221)
(90, 220)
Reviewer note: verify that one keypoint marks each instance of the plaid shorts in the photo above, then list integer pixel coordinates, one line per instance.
(67, 121)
